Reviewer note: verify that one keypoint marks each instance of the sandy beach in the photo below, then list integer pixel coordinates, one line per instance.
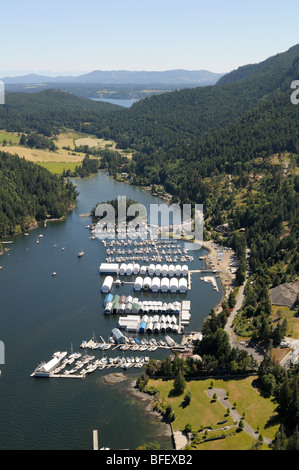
(220, 259)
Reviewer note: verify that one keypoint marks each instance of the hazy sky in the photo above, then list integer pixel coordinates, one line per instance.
(69, 36)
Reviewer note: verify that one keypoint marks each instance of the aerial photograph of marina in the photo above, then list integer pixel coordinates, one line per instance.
(149, 263)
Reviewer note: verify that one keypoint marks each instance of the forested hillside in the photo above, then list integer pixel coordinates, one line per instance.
(46, 112)
(173, 119)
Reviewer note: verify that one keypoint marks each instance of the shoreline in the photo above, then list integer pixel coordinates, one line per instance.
(226, 278)
(148, 400)
(35, 225)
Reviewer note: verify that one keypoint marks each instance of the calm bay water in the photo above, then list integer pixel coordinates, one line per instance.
(124, 102)
(41, 314)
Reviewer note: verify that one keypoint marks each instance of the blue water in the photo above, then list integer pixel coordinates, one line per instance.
(126, 103)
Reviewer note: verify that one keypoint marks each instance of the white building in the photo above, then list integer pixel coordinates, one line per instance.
(185, 317)
(107, 284)
(136, 268)
(164, 270)
(129, 269)
(128, 308)
(158, 270)
(174, 285)
(143, 270)
(156, 284)
(149, 327)
(165, 284)
(186, 305)
(122, 308)
(183, 285)
(138, 285)
(171, 270)
(109, 268)
(185, 270)
(178, 270)
(147, 283)
(108, 308)
(122, 269)
(151, 269)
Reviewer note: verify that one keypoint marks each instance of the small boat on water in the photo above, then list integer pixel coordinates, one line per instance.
(81, 253)
(54, 274)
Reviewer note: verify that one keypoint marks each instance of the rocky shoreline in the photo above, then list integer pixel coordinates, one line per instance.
(149, 410)
(141, 397)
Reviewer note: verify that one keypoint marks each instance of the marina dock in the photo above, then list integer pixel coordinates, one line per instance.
(150, 266)
(95, 440)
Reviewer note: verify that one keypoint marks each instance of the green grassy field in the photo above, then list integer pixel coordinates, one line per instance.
(58, 167)
(11, 138)
(64, 157)
(281, 312)
(204, 412)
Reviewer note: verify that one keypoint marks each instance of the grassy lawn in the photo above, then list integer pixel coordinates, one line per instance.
(58, 167)
(233, 441)
(281, 312)
(203, 412)
(56, 161)
(65, 142)
(12, 137)
(200, 412)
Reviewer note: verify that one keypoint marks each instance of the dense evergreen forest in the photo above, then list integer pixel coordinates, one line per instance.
(50, 110)
(34, 140)
(29, 193)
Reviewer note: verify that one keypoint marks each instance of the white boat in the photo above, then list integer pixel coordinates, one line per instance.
(81, 253)
(91, 368)
(45, 369)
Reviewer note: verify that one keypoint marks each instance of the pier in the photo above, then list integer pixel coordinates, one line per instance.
(66, 376)
(95, 440)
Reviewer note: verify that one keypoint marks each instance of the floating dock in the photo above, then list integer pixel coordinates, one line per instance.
(95, 440)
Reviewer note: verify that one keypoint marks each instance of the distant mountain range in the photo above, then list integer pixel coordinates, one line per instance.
(122, 77)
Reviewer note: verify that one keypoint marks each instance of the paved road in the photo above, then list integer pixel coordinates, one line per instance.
(221, 397)
(258, 356)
